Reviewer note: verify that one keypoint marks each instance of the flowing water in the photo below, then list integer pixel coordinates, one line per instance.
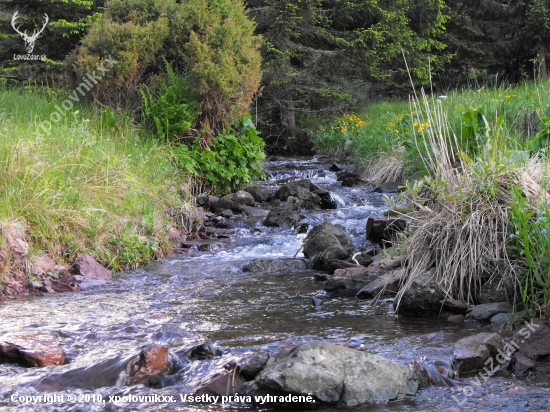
(186, 300)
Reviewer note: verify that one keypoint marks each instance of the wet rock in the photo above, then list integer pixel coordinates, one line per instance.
(251, 365)
(534, 338)
(206, 201)
(493, 291)
(233, 201)
(387, 284)
(282, 218)
(487, 311)
(388, 187)
(501, 318)
(326, 242)
(203, 215)
(303, 228)
(472, 352)
(348, 179)
(295, 189)
(455, 306)
(225, 385)
(87, 266)
(88, 283)
(363, 258)
(383, 229)
(254, 211)
(334, 374)
(199, 352)
(240, 198)
(275, 266)
(430, 376)
(335, 167)
(522, 365)
(334, 264)
(149, 367)
(349, 281)
(31, 349)
(316, 302)
(327, 201)
(456, 318)
(259, 193)
(421, 298)
(227, 213)
(204, 247)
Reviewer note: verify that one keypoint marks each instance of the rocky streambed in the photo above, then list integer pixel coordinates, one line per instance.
(272, 300)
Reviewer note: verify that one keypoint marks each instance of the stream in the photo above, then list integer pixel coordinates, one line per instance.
(186, 300)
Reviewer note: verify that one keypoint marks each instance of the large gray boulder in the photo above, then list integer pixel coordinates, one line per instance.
(487, 311)
(233, 201)
(293, 189)
(326, 242)
(334, 374)
(422, 297)
(472, 352)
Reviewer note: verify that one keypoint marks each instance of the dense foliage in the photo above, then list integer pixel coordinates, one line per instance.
(213, 41)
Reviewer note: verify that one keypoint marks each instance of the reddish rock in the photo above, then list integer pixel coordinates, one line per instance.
(456, 319)
(31, 349)
(523, 365)
(472, 352)
(148, 365)
(533, 338)
(43, 265)
(15, 288)
(18, 249)
(87, 266)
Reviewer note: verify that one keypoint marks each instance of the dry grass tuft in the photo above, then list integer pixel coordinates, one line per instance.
(387, 167)
(461, 223)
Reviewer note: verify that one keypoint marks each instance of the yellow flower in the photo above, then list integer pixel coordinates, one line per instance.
(396, 131)
(415, 124)
(344, 129)
(392, 124)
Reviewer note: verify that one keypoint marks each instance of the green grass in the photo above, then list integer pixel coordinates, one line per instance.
(476, 169)
(388, 135)
(92, 185)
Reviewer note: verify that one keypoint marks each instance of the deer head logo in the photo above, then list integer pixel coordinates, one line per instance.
(29, 40)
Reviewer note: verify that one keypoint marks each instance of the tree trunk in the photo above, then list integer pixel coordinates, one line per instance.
(541, 56)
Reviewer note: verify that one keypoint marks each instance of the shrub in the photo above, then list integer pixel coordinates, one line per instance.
(232, 160)
(172, 110)
(212, 40)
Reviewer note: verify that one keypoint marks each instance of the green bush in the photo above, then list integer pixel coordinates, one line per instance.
(172, 110)
(232, 160)
(214, 41)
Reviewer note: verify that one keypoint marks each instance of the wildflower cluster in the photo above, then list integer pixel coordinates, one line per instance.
(340, 134)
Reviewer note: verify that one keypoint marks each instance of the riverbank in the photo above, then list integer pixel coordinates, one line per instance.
(473, 166)
(90, 183)
(248, 294)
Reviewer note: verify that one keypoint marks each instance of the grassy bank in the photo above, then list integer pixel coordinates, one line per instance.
(384, 144)
(92, 185)
(476, 169)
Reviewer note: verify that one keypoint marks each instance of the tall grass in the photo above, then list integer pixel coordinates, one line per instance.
(91, 185)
